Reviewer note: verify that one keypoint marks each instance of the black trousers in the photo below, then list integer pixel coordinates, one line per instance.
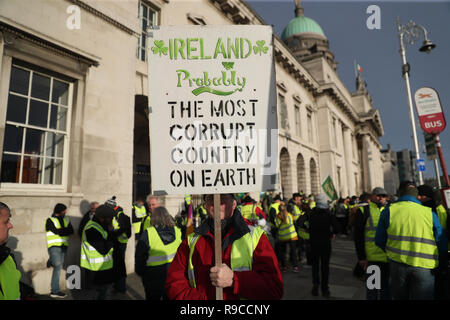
(320, 259)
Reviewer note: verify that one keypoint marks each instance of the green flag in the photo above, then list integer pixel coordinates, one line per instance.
(328, 187)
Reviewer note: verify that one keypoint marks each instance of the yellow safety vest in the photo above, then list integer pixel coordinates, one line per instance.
(373, 252)
(9, 280)
(54, 240)
(286, 230)
(442, 215)
(91, 259)
(242, 249)
(248, 212)
(303, 233)
(159, 253)
(115, 222)
(276, 206)
(410, 235)
(140, 213)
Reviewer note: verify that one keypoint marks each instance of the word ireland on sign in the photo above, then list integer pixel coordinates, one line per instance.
(213, 121)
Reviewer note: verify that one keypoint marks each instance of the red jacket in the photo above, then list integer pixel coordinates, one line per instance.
(264, 281)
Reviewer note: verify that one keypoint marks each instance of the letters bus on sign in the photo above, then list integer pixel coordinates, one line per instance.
(429, 109)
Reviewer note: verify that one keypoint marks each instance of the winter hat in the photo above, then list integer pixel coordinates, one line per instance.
(379, 191)
(425, 190)
(104, 211)
(59, 208)
(111, 202)
(322, 201)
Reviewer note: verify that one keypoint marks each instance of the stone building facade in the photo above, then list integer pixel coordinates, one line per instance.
(74, 112)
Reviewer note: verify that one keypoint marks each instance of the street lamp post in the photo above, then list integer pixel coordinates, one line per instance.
(410, 33)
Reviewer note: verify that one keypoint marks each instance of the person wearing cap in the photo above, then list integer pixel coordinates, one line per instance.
(428, 198)
(122, 232)
(138, 214)
(295, 206)
(365, 224)
(412, 237)
(97, 246)
(58, 229)
(273, 212)
(323, 227)
(249, 268)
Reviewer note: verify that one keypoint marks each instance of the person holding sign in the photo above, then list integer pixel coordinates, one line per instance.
(249, 270)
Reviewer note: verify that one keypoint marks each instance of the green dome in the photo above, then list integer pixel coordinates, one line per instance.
(301, 24)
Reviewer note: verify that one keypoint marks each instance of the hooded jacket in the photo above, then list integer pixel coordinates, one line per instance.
(264, 281)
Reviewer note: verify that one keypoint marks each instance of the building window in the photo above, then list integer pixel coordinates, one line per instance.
(148, 17)
(36, 130)
(297, 121)
(283, 112)
(310, 126)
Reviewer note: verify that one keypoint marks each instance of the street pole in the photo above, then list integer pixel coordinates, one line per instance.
(405, 70)
(411, 31)
(438, 176)
(441, 159)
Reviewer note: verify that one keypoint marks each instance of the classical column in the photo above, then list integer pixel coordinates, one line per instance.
(348, 155)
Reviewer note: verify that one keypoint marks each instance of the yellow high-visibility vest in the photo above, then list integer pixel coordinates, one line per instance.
(91, 259)
(9, 280)
(54, 240)
(140, 213)
(159, 253)
(373, 252)
(410, 235)
(242, 249)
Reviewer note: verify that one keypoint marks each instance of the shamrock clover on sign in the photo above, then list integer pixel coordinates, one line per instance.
(260, 47)
(228, 65)
(159, 47)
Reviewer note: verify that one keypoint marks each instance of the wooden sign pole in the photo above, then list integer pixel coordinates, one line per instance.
(217, 240)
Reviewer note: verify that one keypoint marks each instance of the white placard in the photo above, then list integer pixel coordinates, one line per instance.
(213, 120)
(427, 101)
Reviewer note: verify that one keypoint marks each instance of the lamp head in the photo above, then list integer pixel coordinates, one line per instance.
(427, 46)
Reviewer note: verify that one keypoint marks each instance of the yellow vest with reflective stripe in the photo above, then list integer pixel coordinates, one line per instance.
(91, 259)
(159, 253)
(115, 222)
(286, 230)
(248, 212)
(9, 280)
(410, 235)
(302, 232)
(242, 249)
(442, 215)
(276, 206)
(373, 252)
(140, 213)
(54, 240)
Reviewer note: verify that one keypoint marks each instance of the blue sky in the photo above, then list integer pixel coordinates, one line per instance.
(377, 51)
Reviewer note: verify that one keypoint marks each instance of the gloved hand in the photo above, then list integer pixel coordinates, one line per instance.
(262, 223)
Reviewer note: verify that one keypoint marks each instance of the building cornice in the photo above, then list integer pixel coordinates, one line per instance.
(83, 5)
(21, 33)
(332, 91)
